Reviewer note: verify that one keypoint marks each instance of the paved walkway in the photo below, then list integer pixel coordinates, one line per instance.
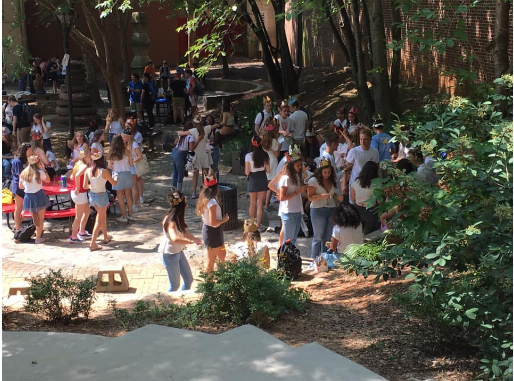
(134, 245)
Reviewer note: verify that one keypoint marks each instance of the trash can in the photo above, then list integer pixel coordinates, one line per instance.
(228, 201)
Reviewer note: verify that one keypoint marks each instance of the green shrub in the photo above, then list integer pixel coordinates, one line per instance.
(243, 291)
(457, 237)
(361, 257)
(60, 298)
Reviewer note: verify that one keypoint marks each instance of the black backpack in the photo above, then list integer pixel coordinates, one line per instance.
(289, 260)
(25, 233)
(167, 142)
(90, 224)
(26, 116)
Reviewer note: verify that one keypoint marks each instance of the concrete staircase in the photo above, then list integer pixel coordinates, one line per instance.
(161, 353)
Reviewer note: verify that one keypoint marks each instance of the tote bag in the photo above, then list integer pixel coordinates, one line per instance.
(142, 167)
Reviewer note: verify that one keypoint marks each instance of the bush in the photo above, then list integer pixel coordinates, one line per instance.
(457, 237)
(60, 298)
(244, 292)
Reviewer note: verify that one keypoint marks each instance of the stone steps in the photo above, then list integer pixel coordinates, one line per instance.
(161, 353)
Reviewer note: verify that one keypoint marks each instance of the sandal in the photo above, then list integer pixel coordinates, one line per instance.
(107, 240)
(95, 248)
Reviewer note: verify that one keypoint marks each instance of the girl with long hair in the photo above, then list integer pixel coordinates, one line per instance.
(76, 144)
(43, 127)
(251, 246)
(79, 197)
(227, 119)
(135, 150)
(209, 208)
(214, 138)
(291, 188)
(256, 168)
(36, 143)
(360, 192)
(98, 141)
(95, 179)
(120, 161)
(113, 124)
(321, 194)
(35, 200)
(272, 148)
(183, 145)
(19, 162)
(347, 227)
(203, 158)
(174, 241)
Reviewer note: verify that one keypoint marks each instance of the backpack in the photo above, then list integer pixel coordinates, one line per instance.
(289, 260)
(167, 142)
(27, 112)
(199, 88)
(90, 224)
(25, 233)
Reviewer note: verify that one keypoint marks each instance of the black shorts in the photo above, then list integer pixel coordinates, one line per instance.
(212, 237)
(257, 182)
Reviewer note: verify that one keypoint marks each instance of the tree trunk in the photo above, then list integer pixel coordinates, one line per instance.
(94, 91)
(115, 89)
(122, 21)
(397, 58)
(290, 78)
(337, 35)
(380, 76)
(299, 39)
(362, 80)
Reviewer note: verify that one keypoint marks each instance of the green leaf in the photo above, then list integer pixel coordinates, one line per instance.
(471, 313)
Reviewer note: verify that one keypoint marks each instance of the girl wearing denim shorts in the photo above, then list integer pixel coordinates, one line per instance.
(95, 179)
(120, 161)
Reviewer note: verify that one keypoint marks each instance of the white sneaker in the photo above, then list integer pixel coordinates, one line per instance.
(122, 219)
(141, 200)
(135, 208)
(130, 218)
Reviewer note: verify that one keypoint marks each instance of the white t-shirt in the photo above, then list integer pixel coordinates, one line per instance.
(240, 249)
(51, 156)
(8, 113)
(293, 205)
(285, 125)
(206, 216)
(259, 119)
(133, 150)
(98, 147)
(121, 165)
(342, 150)
(40, 129)
(168, 247)
(184, 144)
(138, 137)
(347, 236)
(359, 157)
(323, 203)
(299, 119)
(115, 127)
(273, 160)
(32, 186)
(249, 159)
(337, 122)
(362, 195)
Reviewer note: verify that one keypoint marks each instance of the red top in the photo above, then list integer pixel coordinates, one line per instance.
(81, 184)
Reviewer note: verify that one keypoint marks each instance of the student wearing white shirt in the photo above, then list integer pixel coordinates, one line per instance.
(285, 129)
(40, 125)
(291, 188)
(347, 228)
(321, 193)
(300, 122)
(263, 116)
(35, 200)
(359, 156)
(208, 207)
(257, 165)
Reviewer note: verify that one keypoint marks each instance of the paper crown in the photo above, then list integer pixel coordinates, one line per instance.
(269, 127)
(255, 143)
(294, 153)
(354, 110)
(249, 226)
(266, 99)
(291, 100)
(175, 197)
(95, 154)
(33, 159)
(378, 122)
(36, 135)
(126, 132)
(342, 110)
(197, 120)
(324, 163)
(210, 181)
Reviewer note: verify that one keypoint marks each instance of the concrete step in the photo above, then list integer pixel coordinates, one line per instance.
(26, 354)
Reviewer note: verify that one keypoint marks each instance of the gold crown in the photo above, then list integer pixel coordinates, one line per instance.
(294, 153)
(175, 197)
(249, 226)
(324, 163)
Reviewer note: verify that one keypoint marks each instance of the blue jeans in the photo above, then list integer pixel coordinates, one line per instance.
(215, 154)
(176, 266)
(291, 223)
(111, 136)
(179, 164)
(322, 225)
(6, 168)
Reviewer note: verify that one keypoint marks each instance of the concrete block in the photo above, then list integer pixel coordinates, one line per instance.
(107, 279)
